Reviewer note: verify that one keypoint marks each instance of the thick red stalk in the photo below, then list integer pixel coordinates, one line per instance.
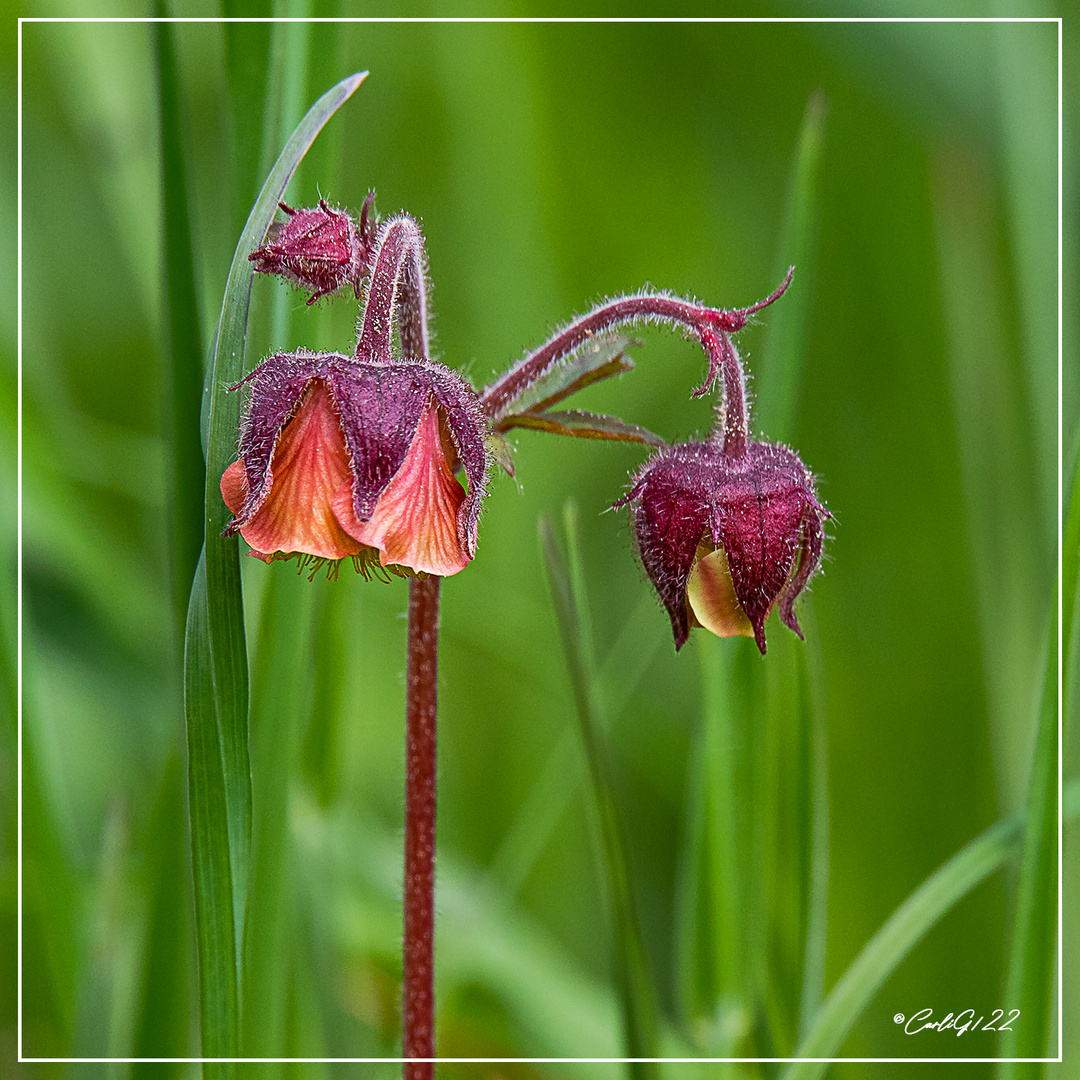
(418, 992)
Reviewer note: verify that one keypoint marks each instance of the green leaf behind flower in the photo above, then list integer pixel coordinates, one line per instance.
(216, 677)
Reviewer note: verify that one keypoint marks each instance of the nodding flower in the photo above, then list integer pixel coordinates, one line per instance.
(724, 540)
(727, 529)
(354, 456)
(340, 458)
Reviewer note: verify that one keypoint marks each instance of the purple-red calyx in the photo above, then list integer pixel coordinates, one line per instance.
(725, 539)
(727, 529)
(320, 249)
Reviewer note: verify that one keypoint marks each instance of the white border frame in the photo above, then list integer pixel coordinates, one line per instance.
(899, 1061)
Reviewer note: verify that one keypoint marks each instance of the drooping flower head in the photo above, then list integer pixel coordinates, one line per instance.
(336, 456)
(320, 249)
(727, 529)
(355, 456)
(724, 540)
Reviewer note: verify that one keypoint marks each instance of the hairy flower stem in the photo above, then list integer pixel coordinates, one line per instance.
(711, 326)
(418, 1004)
(398, 288)
(732, 420)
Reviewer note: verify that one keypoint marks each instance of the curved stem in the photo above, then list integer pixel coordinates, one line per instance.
(731, 428)
(418, 994)
(709, 324)
(398, 288)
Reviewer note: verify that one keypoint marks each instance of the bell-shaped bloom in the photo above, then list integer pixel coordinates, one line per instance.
(320, 249)
(724, 539)
(338, 458)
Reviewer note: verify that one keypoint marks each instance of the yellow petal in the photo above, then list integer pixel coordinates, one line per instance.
(710, 596)
(414, 523)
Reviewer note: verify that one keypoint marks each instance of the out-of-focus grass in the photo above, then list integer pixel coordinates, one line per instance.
(634, 979)
(549, 164)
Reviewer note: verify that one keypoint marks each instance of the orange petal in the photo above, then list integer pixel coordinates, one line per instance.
(234, 486)
(310, 463)
(710, 596)
(414, 523)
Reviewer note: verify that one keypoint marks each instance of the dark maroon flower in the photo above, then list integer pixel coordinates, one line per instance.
(320, 249)
(338, 458)
(725, 539)
(727, 529)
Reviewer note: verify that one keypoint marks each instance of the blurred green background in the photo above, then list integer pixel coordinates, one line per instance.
(549, 165)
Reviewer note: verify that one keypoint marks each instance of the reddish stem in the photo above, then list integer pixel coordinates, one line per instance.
(398, 289)
(418, 993)
(710, 324)
(731, 429)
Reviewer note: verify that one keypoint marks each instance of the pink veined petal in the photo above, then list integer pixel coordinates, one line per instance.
(414, 523)
(710, 595)
(310, 463)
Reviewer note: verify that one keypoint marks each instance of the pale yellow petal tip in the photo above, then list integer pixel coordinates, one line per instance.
(414, 523)
(711, 599)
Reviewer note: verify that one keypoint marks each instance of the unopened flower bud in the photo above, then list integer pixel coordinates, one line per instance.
(725, 539)
(320, 249)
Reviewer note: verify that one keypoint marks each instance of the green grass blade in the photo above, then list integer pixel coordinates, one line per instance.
(566, 581)
(903, 929)
(215, 930)
(1033, 960)
(693, 953)
(182, 339)
(787, 833)
(247, 68)
(1070, 686)
(162, 1024)
(1011, 556)
(222, 555)
(53, 899)
(779, 376)
(1027, 85)
(216, 689)
(817, 884)
(1070, 614)
(733, 762)
(280, 689)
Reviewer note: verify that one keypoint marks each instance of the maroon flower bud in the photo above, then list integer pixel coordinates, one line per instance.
(725, 539)
(339, 457)
(320, 249)
(726, 529)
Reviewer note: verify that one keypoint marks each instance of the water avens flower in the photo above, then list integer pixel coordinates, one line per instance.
(726, 529)
(724, 539)
(359, 456)
(339, 457)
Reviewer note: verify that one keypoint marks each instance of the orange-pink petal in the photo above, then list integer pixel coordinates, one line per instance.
(710, 596)
(415, 521)
(310, 463)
